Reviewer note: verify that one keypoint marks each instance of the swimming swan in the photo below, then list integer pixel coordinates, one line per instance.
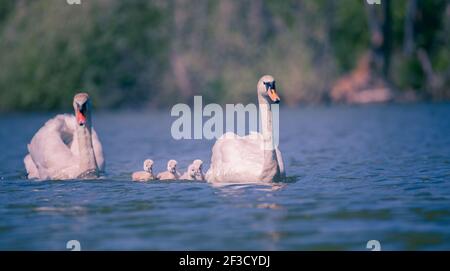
(171, 173)
(66, 147)
(194, 172)
(145, 175)
(253, 158)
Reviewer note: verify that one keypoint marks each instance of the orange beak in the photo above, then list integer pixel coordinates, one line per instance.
(81, 119)
(273, 95)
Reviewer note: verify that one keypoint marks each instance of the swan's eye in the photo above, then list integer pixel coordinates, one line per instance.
(269, 85)
(82, 108)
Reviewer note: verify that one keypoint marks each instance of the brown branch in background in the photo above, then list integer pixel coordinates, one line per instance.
(425, 63)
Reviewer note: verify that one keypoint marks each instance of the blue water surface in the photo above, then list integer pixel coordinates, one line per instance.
(356, 174)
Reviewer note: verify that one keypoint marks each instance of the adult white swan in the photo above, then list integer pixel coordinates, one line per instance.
(66, 147)
(253, 158)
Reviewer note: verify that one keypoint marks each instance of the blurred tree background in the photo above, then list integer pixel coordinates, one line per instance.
(140, 53)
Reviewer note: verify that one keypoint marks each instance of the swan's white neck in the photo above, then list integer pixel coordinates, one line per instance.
(270, 158)
(88, 163)
(265, 112)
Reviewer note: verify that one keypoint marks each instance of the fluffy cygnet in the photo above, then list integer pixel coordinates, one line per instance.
(189, 174)
(194, 171)
(171, 173)
(145, 175)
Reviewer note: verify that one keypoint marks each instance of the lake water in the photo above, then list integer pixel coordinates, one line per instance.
(355, 174)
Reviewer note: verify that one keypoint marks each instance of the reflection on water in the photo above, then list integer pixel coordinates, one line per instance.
(355, 174)
(239, 188)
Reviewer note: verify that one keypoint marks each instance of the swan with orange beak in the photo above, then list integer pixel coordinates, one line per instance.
(81, 104)
(271, 91)
(66, 147)
(254, 158)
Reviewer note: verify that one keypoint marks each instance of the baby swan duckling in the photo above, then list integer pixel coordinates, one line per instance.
(171, 173)
(199, 170)
(189, 174)
(194, 172)
(145, 175)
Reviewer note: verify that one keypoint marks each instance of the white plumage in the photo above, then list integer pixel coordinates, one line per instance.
(253, 158)
(54, 151)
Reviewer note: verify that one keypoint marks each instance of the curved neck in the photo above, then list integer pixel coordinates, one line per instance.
(266, 123)
(270, 159)
(88, 164)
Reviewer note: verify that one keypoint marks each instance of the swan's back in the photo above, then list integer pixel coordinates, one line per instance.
(236, 159)
(50, 147)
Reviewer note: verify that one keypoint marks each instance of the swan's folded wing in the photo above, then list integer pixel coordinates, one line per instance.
(48, 150)
(98, 150)
(31, 168)
(280, 163)
(236, 159)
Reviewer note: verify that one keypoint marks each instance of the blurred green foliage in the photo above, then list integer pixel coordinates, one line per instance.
(138, 53)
